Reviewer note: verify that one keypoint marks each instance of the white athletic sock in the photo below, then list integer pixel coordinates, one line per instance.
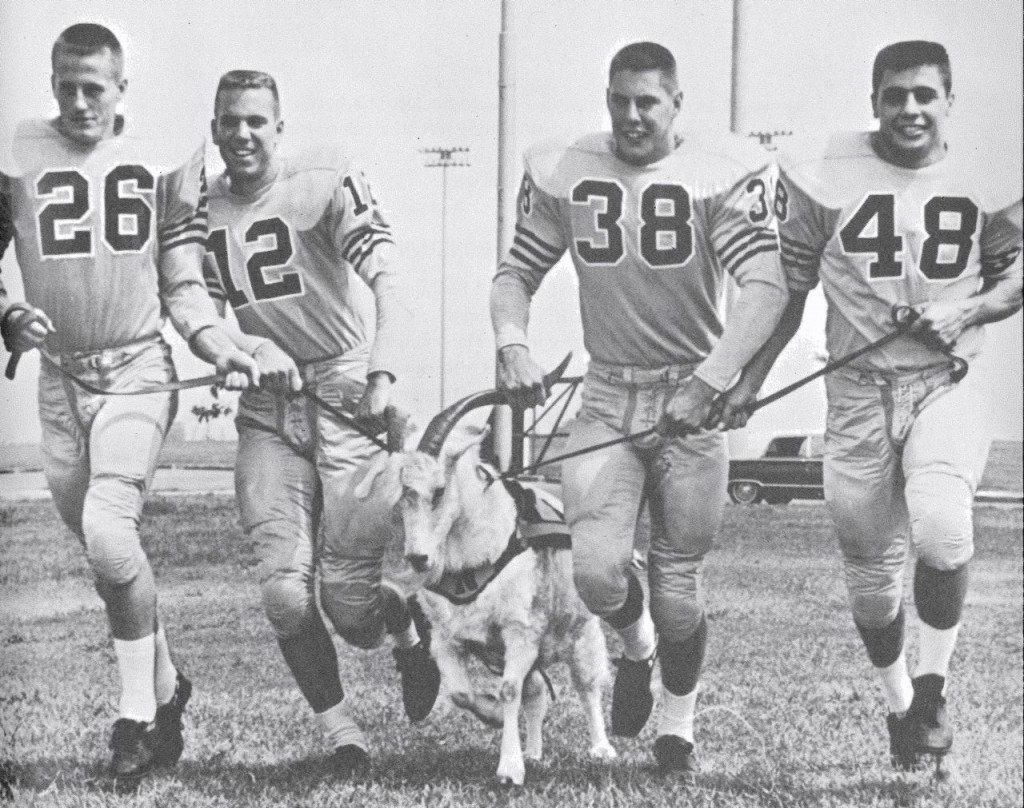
(895, 681)
(135, 660)
(638, 640)
(339, 728)
(407, 638)
(677, 714)
(395, 599)
(935, 649)
(166, 675)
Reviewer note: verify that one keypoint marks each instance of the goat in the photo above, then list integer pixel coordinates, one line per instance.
(460, 526)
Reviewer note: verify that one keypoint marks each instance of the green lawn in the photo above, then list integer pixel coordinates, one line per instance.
(789, 715)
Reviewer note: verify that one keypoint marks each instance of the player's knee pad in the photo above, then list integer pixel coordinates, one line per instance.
(633, 607)
(351, 597)
(681, 662)
(941, 524)
(885, 644)
(940, 594)
(112, 543)
(602, 590)
(287, 602)
(875, 589)
(676, 611)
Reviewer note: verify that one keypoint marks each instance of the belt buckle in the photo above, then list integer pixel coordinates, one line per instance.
(102, 361)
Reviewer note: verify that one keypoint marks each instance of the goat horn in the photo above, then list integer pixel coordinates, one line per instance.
(442, 424)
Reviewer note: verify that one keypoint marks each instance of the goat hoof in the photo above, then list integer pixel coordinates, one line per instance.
(603, 751)
(509, 779)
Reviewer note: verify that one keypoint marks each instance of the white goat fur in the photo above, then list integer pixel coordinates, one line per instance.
(530, 613)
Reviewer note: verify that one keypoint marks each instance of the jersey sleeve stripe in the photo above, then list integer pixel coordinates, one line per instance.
(360, 234)
(994, 264)
(174, 231)
(538, 242)
(795, 247)
(756, 249)
(529, 262)
(6, 222)
(359, 255)
(737, 246)
(524, 245)
(742, 234)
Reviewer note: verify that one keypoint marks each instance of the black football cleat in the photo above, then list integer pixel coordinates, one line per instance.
(421, 680)
(350, 760)
(168, 724)
(632, 700)
(928, 724)
(902, 751)
(675, 758)
(134, 744)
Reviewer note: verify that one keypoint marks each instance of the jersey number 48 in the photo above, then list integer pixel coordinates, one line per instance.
(872, 230)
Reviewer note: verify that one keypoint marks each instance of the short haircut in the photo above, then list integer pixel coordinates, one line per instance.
(86, 38)
(247, 80)
(641, 56)
(913, 53)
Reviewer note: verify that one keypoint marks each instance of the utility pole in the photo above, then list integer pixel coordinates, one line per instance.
(506, 454)
(444, 159)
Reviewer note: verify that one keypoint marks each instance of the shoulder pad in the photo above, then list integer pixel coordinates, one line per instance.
(545, 160)
(993, 168)
(745, 153)
(307, 157)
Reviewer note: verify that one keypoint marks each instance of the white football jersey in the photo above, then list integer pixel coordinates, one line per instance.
(876, 234)
(89, 226)
(651, 244)
(287, 258)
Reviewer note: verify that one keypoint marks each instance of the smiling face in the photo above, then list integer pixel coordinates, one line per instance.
(643, 107)
(88, 88)
(912, 107)
(247, 128)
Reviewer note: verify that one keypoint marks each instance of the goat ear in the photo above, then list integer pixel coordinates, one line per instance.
(400, 427)
(377, 466)
(457, 444)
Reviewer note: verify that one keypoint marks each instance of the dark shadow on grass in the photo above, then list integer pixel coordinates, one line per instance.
(465, 769)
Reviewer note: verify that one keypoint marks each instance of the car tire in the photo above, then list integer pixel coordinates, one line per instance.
(744, 492)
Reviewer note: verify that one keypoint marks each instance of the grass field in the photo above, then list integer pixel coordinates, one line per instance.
(789, 715)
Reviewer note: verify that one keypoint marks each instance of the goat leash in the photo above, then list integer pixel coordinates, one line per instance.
(903, 317)
(207, 381)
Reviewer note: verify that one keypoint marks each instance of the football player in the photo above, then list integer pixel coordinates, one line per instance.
(108, 241)
(653, 219)
(291, 240)
(883, 219)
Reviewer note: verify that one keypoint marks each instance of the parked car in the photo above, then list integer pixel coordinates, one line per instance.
(789, 469)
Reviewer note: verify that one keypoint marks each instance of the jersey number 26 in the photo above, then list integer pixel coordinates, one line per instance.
(127, 216)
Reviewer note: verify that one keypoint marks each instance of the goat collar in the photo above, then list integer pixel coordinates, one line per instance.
(538, 527)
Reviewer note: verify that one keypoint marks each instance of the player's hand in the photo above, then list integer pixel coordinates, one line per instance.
(278, 371)
(371, 411)
(26, 327)
(940, 323)
(689, 408)
(239, 370)
(520, 378)
(731, 406)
